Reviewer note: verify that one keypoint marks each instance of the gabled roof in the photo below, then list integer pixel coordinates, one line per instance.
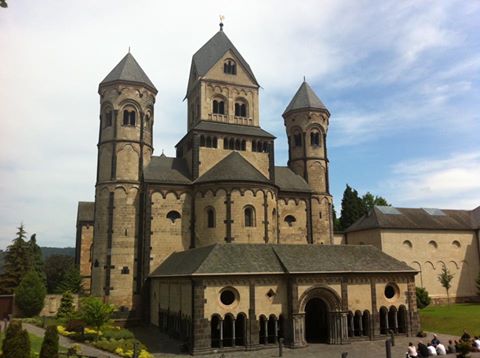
(287, 180)
(210, 126)
(234, 167)
(167, 170)
(210, 53)
(238, 259)
(414, 218)
(128, 70)
(305, 98)
(85, 211)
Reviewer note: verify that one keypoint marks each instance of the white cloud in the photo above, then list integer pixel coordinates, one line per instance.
(450, 183)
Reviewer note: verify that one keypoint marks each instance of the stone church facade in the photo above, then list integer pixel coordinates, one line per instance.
(218, 246)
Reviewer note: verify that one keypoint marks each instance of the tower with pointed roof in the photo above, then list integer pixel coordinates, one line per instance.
(306, 120)
(127, 97)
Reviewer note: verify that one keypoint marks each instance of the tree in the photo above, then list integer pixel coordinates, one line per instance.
(337, 226)
(71, 281)
(352, 208)
(369, 201)
(55, 268)
(17, 262)
(50, 343)
(94, 312)
(445, 278)
(66, 309)
(3, 3)
(30, 294)
(423, 299)
(16, 343)
(36, 256)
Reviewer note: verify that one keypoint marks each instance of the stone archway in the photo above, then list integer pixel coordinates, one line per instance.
(323, 321)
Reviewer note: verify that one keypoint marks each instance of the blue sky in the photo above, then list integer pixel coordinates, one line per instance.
(400, 78)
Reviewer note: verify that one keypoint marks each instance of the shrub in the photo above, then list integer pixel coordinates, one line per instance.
(66, 309)
(50, 343)
(117, 334)
(94, 312)
(16, 343)
(30, 294)
(75, 325)
(423, 299)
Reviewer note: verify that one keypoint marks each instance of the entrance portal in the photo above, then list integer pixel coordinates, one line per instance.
(316, 321)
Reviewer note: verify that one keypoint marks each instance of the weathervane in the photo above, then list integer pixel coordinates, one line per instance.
(221, 22)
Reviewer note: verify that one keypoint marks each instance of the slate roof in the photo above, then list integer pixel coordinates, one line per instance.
(235, 259)
(305, 98)
(234, 167)
(287, 180)
(418, 218)
(128, 70)
(85, 211)
(237, 129)
(167, 170)
(210, 53)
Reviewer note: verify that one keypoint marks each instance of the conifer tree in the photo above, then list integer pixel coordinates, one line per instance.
(30, 294)
(71, 281)
(36, 256)
(352, 207)
(17, 342)
(17, 262)
(50, 343)
(65, 311)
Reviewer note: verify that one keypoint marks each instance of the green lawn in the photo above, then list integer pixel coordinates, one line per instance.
(35, 343)
(451, 319)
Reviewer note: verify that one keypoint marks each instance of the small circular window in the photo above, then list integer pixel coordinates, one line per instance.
(228, 296)
(391, 290)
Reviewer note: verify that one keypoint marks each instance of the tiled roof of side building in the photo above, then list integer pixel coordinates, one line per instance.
(167, 170)
(305, 98)
(86, 211)
(128, 70)
(287, 180)
(210, 53)
(414, 218)
(238, 259)
(233, 167)
(236, 129)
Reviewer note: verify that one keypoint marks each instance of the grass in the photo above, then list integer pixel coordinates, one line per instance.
(451, 319)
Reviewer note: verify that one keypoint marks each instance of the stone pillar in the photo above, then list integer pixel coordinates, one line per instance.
(221, 334)
(201, 332)
(298, 330)
(275, 337)
(233, 332)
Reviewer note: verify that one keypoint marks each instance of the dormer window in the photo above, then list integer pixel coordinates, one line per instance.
(230, 67)
(129, 118)
(218, 106)
(240, 109)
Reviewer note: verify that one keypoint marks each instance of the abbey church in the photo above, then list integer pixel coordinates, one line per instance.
(218, 246)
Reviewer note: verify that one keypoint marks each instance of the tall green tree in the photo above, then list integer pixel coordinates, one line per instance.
(352, 208)
(30, 294)
(445, 278)
(66, 309)
(50, 343)
(17, 262)
(17, 342)
(94, 312)
(56, 267)
(71, 281)
(36, 256)
(369, 201)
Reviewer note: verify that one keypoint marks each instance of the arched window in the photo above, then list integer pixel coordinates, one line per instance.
(240, 109)
(290, 219)
(129, 118)
(214, 142)
(315, 139)
(209, 142)
(210, 217)
(254, 146)
(237, 144)
(218, 106)
(202, 141)
(265, 147)
(243, 145)
(297, 137)
(230, 67)
(249, 215)
(231, 144)
(173, 216)
(225, 143)
(108, 118)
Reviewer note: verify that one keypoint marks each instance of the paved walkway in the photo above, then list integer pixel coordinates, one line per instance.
(162, 346)
(67, 342)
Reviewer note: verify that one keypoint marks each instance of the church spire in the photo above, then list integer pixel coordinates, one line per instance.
(305, 98)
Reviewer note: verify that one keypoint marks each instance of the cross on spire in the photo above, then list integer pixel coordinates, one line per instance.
(221, 22)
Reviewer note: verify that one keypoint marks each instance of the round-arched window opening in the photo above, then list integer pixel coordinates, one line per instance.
(433, 244)
(228, 297)
(290, 219)
(456, 244)
(407, 244)
(173, 216)
(391, 290)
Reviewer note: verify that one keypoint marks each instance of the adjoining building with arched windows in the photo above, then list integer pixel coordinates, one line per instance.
(217, 245)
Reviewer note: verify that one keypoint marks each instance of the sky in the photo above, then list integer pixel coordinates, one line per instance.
(401, 80)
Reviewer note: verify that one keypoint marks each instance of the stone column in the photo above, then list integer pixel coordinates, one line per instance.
(233, 332)
(298, 330)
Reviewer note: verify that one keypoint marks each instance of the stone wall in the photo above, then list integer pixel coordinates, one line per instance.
(52, 304)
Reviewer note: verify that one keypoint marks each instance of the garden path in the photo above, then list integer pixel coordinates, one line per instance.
(67, 342)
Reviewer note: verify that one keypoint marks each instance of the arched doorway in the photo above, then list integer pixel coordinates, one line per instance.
(316, 321)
